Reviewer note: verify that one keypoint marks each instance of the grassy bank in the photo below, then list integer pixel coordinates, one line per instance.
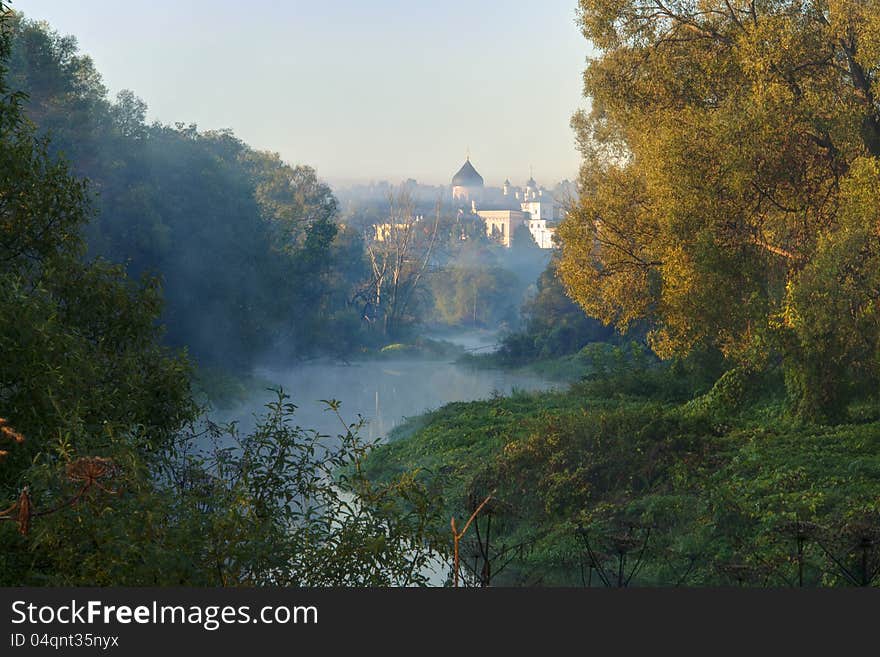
(641, 477)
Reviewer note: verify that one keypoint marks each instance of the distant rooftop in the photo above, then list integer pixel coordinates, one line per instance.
(467, 176)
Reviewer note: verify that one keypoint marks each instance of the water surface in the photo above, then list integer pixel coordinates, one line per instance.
(385, 393)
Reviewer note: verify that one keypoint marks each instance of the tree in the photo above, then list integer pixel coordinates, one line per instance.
(400, 254)
(555, 322)
(473, 295)
(726, 195)
(83, 374)
(245, 243)
(129, 115)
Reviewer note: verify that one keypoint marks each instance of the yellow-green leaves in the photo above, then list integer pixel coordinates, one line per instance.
(725, 162)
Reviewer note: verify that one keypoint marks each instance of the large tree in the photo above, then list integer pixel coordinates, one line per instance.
(731, 184)
(83, 378)
(400, 255)
(249, 249)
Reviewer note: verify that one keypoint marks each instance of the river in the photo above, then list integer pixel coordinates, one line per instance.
(384, 392)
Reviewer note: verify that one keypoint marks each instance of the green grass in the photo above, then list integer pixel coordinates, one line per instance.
(718, 480)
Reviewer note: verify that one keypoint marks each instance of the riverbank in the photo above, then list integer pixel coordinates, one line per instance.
(646, 475)
(564, 369)
(593, 360)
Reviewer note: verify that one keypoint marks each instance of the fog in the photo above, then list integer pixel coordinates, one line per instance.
(385, 392)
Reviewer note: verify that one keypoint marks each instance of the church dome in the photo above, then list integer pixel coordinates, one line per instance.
(467, 176)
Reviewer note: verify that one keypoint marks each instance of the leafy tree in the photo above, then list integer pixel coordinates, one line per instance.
(478, 296)
(554, 324)
(245, 243)
(725, 192)
(555, 320)
(81, 364)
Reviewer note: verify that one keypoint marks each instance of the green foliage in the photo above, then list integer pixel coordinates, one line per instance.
(738, 389)
(422, 348)
(271, 507)
(78, 337)
(555, 326)
(473, 296)
(218, 508)
(728, 190)
(112, 479)
(831, 318)
(81, 361)
(248, 248)
(696, 484)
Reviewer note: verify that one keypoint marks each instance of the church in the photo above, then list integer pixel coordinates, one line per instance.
(506, 213)
(467, 184)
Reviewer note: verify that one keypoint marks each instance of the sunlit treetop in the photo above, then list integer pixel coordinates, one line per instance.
(729, 163)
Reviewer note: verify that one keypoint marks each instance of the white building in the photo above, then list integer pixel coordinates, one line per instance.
(530, 206)
(502, 225)
(540, 208)
(542, 233)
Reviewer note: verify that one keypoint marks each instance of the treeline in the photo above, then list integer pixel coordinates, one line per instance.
(249, 251)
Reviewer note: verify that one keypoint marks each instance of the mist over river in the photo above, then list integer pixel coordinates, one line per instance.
(384, 392)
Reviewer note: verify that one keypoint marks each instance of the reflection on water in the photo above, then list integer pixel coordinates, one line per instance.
(384, 393)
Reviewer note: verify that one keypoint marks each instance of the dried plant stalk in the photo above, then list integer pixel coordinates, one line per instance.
(457, 536)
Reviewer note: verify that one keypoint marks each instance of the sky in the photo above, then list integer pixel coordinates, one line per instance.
(361, 90)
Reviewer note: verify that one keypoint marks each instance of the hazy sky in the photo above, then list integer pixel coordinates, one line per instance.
(362, 90)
